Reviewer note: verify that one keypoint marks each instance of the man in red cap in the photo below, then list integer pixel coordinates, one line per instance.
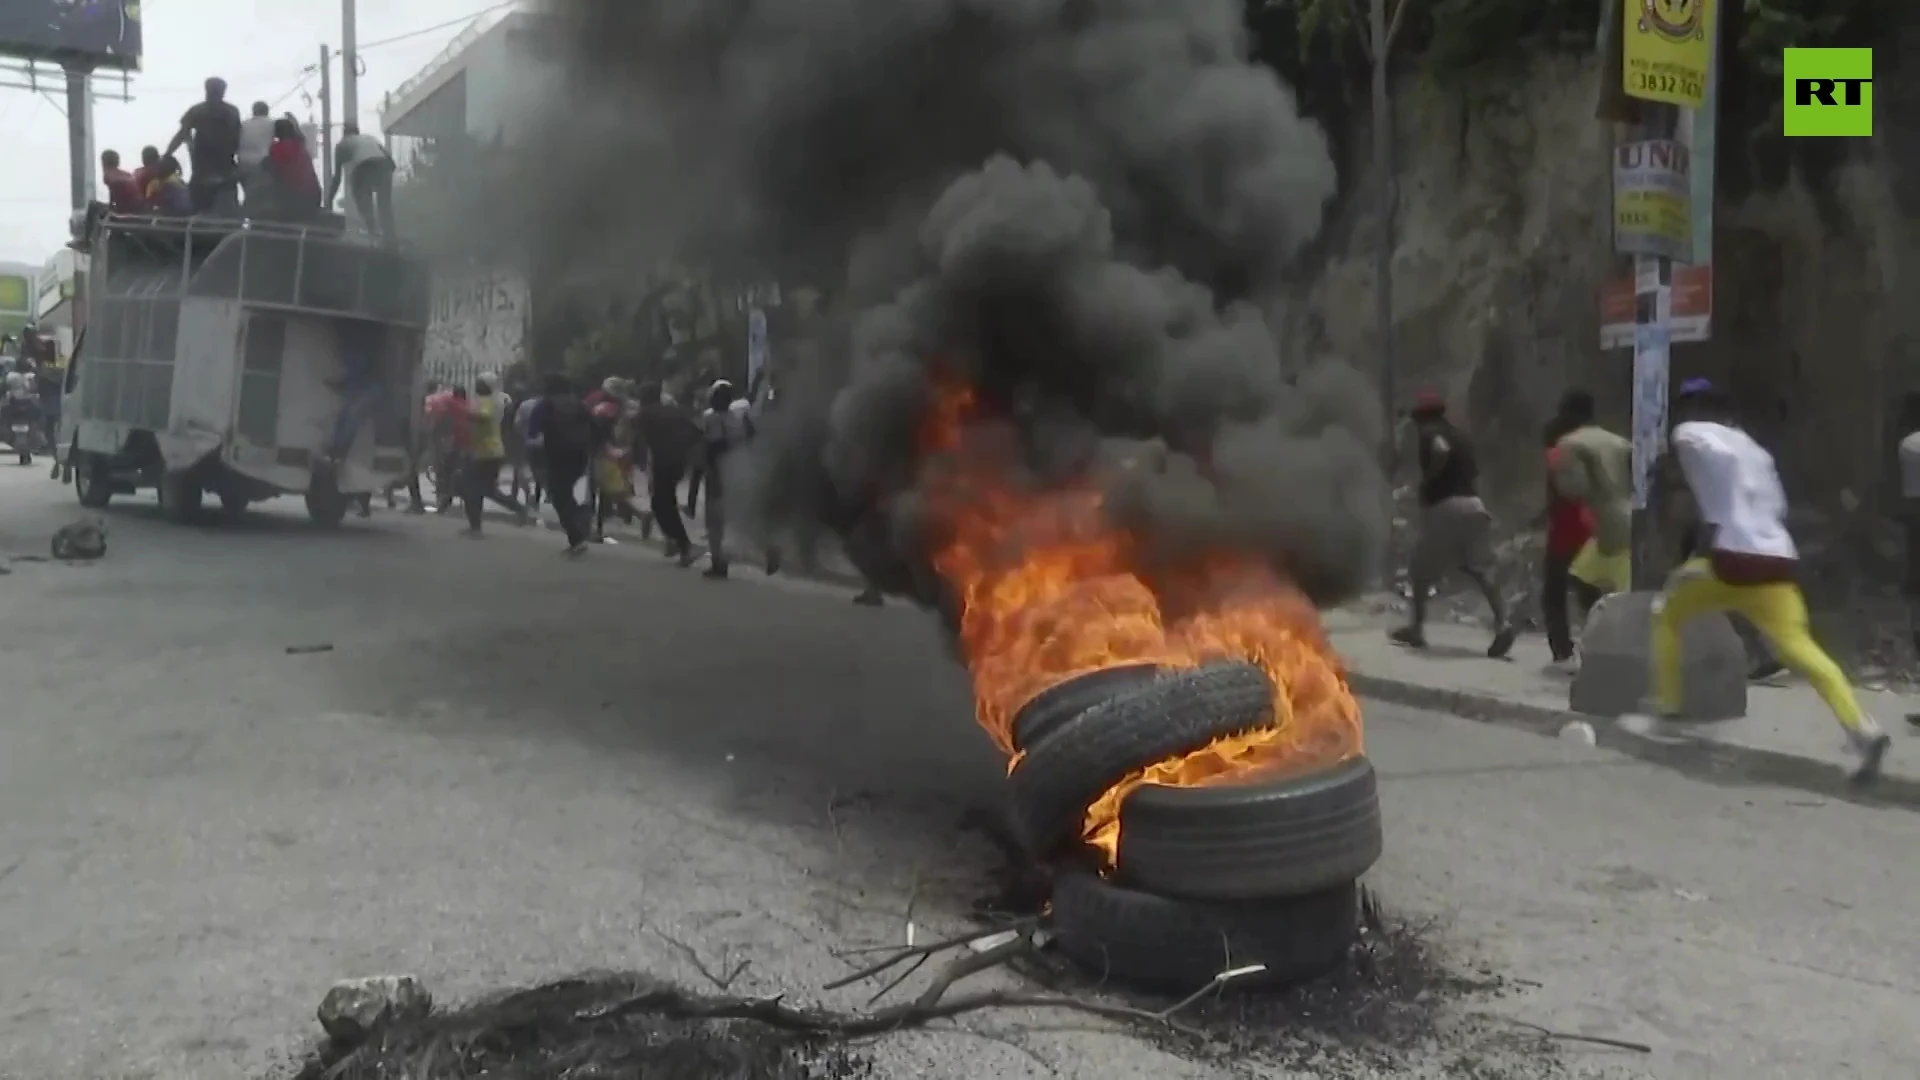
(1455, 531)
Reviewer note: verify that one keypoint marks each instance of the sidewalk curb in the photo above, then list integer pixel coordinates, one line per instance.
(1721, 763)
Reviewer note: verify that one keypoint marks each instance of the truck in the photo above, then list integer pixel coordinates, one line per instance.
(217, 356)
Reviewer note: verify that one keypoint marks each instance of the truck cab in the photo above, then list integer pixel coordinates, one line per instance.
(218, 356)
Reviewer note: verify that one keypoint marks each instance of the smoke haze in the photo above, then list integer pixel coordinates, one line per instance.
(1077, 206)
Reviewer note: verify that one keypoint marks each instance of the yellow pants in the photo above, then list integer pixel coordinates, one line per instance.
(1780, 614)
(1608, 573)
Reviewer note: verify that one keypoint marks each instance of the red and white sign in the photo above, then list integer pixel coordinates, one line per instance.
(1692, 307)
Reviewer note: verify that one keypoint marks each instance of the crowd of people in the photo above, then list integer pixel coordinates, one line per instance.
(587, 456)
(258, 167)
(1716, 493)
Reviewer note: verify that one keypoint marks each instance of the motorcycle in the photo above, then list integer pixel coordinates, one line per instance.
(24, 434)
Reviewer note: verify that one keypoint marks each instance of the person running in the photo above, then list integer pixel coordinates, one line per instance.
(1456, 531)
(489, 455)
(419, 453)
(1569, 527)
(449, 421)
(1745, 564)
(562, 429)
(612, 465)
(533, 458)
(668, 437)
(723, 430)
(1594, 467)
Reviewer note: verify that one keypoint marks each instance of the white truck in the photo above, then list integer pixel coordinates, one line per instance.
(217, 356)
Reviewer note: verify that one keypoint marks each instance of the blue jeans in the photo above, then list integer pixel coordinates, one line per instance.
(361, 394)
(358, 404)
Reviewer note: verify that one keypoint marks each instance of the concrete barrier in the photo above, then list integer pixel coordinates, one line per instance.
(1614, 675)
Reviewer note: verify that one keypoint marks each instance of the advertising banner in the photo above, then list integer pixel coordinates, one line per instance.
(105, 32)
(1652, 196)
(1692, 283)
(1666, 49)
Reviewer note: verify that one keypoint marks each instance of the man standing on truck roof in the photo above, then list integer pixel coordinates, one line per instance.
(210, 131)
(363, 164)
(256, 142)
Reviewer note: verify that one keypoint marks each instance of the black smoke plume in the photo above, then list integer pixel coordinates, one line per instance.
(1077, 206)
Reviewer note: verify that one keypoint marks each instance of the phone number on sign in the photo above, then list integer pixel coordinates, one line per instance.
(1666, 84)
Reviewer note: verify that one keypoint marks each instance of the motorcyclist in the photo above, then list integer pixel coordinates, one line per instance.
(22, 404)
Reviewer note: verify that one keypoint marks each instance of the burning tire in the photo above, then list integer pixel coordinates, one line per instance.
(1046, 713)
(1177, 713)
(1181, 945)
(1278, 838)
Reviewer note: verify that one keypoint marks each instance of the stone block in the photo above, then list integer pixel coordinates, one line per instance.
(1614, 676)
(356, 1008)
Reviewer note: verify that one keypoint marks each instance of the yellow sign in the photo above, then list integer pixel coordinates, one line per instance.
(1666, 46)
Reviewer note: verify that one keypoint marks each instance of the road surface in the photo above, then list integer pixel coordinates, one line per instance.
(509, 767)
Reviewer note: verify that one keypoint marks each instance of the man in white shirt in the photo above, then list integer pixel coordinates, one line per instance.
(1909, 454)
(1747, 568)
(256, 139)
(362, 163)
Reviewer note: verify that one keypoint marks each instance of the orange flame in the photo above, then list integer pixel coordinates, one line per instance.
(1048, 590)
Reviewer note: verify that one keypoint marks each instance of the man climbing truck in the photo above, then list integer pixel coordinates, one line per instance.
(243, 360)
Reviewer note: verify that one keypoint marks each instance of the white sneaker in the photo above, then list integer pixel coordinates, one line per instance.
(1647, 726)
(1871, 745)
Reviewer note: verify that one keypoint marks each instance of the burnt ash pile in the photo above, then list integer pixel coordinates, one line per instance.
(583, 1027)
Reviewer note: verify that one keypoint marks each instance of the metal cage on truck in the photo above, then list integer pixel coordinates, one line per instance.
(189, 326)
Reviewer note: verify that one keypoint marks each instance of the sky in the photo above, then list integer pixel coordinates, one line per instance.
(266, 50)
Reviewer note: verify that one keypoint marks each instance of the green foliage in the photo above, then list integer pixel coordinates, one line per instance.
(1323, 24)
(1457, 37)
(1776, 25)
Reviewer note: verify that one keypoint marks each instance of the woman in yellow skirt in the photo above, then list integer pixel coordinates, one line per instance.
(613, 468)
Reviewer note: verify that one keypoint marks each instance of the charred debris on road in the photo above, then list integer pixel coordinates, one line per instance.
(1397, 1002)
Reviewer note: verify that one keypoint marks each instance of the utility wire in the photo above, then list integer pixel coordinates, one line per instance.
(437, 27)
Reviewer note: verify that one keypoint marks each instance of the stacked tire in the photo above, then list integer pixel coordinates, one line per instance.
(1229, 877)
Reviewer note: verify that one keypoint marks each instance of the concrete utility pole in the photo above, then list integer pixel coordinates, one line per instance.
(80, 134)
(1382, 34)
(326, 117)
(1652, 361)
(349, 64)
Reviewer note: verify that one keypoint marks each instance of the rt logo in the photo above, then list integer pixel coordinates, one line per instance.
(1828, 92)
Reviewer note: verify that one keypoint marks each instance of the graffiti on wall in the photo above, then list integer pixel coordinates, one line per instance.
(479, 323)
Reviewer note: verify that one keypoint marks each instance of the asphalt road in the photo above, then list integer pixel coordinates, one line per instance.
(510, 767)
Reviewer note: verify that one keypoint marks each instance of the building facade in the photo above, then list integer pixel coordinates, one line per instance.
(53, 292)
(484, 86)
